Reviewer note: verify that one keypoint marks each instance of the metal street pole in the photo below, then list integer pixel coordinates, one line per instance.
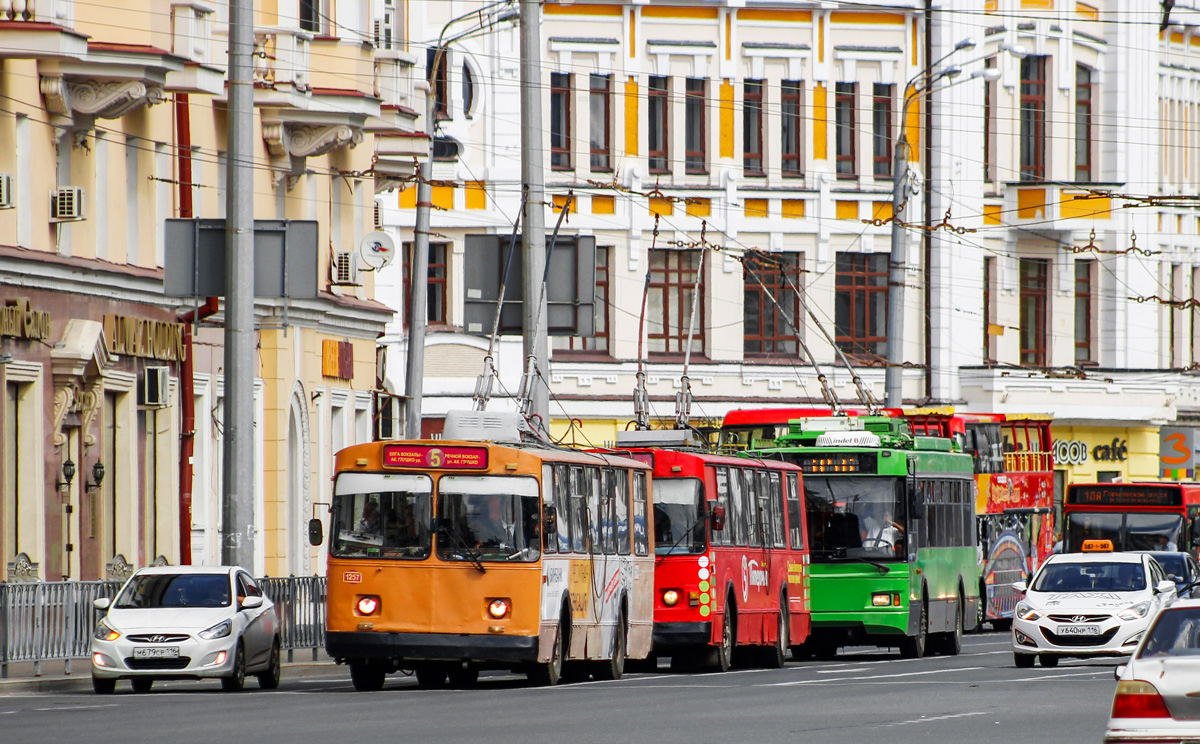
(414, 376)
(533, 236)
(894, 376)
(237, 507)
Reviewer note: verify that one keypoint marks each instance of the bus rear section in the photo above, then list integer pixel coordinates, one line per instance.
(444, 559)
(1133, 516)
(731, 571)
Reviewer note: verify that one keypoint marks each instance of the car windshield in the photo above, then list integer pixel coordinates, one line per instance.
(175, 590)
(1176, 632)
(488, 518)
(679, 525)
(1174, 564)
(1091, 577)
(1127, 530)
(384, 516)
(851, 517)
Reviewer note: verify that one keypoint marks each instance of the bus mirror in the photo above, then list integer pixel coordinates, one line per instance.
(316, 532)
(549, 519)
(718, 518)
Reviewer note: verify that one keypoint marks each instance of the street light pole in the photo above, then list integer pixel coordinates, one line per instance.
(533, 235)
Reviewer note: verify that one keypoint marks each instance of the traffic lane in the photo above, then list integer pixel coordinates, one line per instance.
(978, 696)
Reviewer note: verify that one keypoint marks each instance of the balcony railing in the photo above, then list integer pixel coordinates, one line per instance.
(1028, 462)
(281, 58)
(191, 32)
(58, 12)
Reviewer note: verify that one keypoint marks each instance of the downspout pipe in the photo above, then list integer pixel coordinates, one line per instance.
(927, 236)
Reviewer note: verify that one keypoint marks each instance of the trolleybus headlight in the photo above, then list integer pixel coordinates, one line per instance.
(499, 608)
(885, 599)
(1136, 612)
(1026, 612)
(368, 605)
(670, 598)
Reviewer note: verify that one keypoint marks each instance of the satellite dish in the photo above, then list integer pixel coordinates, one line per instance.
(377, 249)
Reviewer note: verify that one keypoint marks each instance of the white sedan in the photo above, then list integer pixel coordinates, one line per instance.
(189, 622)
(1087, 604)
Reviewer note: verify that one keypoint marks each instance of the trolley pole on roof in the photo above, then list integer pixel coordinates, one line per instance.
(237, 492)
(533, 236)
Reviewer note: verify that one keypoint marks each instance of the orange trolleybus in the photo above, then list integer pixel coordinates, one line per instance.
(455, 555)
(731, 570)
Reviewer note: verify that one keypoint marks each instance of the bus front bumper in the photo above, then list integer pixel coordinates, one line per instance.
(676, 635)
(870, 622)
(430, 646)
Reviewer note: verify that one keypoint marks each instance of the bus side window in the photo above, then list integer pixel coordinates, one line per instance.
(737, 513)
(579, 520)
(751, 508)
(766, 511)
(608, 509)
(641, 530)
(722, 537)
(595, 512)
(621, 500)
(549, 491)
(777, 510)
(794, 513)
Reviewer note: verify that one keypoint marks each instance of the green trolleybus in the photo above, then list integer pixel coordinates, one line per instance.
(891, 527)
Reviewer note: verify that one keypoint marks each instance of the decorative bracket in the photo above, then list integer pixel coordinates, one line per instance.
(97, 98)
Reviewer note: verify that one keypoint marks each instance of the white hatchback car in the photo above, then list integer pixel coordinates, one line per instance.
(189, 622)
(1087, 604)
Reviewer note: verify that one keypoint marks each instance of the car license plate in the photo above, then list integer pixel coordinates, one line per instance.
(1079, 630)
(157, 652)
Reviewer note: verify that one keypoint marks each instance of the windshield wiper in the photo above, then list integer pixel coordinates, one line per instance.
(882, 568)
(684, 534)
(468, 552)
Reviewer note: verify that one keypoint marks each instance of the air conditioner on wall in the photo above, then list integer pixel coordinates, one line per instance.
(154, 386)
(6, 191)
(345, 267)
(66, 203)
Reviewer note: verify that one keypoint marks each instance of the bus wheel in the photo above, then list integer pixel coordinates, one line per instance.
(367, 677)
(723, 654)
(951, 643)
(431, 676)
(776, 656)
(548, 674)
(914, 647)
(614, 667)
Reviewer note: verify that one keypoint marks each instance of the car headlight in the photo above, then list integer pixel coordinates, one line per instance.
(104, 633)
(220, 630)
(1136, 612)
(1025, 611)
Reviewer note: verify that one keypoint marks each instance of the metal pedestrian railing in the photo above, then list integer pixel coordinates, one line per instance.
(54, 621)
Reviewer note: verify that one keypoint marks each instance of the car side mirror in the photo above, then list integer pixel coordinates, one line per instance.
(549, 519)
(718, 518)
(251, 603)
(102, 603)
(1020, 586)
(1119, 670)
(1163, 587)
(316, 532)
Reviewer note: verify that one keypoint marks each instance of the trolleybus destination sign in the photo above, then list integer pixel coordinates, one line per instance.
(431, 456)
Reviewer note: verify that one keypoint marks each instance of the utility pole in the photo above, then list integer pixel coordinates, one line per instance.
(894, 376)
(237, 506)
(533, 236)
(414, 376)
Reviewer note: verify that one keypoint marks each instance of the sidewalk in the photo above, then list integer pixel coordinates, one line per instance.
(75, 675)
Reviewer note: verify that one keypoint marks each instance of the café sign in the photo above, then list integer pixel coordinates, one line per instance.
(20, 320)
(143, 337)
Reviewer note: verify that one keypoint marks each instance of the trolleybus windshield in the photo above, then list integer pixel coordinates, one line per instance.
(488, 518)
(384, 516)
(679, 523)
(1127, 530)
(852, 518)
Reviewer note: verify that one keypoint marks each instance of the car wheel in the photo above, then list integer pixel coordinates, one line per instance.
(269, 679)
(104, 686)
(1048, 661)
(548, 674)
(141, 685)
(914, 647)
(367, 677)
(237, 678)
(1024, 661)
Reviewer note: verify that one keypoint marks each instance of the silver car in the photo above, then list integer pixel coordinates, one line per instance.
(189, 622)
(1157, 696)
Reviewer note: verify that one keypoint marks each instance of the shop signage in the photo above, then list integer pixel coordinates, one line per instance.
(1176, 452)
(1117, 451)
(1076, 452)
(142, 337)
(19, 319)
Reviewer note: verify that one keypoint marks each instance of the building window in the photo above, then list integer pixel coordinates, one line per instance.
(438, 81)
(791, 117)
(989, 125)
(598, 341)
(752, 128)
(770, 325)
(844, 119)
(600, 105)
(1083, 123)
(1084, 276)
(989, 317)
(310, 16)
(1035, 278)
(560, 121)
(659, 125)
(1033, 118)
(468, 90)
(435, 292)
(860, 308)
(1174, 343)
(696, 114)
(882, 128)
(673, 284)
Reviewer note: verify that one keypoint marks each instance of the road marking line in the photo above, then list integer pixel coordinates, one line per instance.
(840, 671)
(875, 676)
(930, 719)
(76, 707)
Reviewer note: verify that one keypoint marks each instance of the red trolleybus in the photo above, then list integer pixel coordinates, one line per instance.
(1134, 516)
(731, 575)
(1014, 506)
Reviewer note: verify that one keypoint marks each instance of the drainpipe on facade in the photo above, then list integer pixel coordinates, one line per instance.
(927, 236)
(187, 445)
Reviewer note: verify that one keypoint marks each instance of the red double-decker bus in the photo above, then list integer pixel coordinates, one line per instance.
(731, 573)
(1134, 516)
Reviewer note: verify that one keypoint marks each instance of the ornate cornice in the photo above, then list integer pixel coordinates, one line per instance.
(104, 99)
(306, 140)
